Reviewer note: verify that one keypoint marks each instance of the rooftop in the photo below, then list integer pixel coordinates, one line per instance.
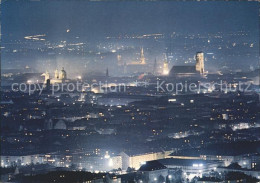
(152, 166)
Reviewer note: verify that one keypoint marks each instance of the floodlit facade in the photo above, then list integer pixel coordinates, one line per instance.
(200, 62)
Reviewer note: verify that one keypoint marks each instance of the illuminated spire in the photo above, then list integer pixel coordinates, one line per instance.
(56, 74)
(142, 58)
(119, 59)
(165, 65)
(200, 62)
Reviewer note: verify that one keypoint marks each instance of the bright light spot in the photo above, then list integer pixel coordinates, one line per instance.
(67, 30)
(110, 163)
(170, 176)
(143, 163)
(107, 155)
(79, 77)
(165, 72)
(172, 100)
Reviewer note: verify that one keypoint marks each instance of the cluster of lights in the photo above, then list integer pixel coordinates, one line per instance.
(198, 165)
(36, 37)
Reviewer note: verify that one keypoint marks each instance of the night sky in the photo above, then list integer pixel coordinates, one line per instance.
(93, 19)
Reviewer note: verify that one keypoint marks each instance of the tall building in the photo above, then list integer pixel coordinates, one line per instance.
(56, 74)
(46, 76)
(165, 66)
(139, 65)
(142, 58)
(119, 59)
(200, 62)
(62, 74)
(59, 77)
(190, 70)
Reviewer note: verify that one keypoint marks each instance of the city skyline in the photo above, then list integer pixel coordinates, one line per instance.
(89, 33)
(130, 91)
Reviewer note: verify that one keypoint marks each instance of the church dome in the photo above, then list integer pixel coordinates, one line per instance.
(63, 74)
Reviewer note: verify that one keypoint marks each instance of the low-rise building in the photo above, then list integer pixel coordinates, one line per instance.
(153, 171)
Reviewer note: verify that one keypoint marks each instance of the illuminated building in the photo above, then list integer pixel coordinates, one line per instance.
(165, 66)
(139, 65)
(134, 160)
(46, 76)
(200, 62)
(23, 159)
(142, 58)
(62, 74)
(59, 77)
(183, 71)
(153, 171)
(119, 60)
(191, 167)
(190, 70)
(56, 74)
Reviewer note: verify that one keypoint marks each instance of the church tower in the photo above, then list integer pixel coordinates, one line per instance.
(165, 65)
(46, 76)
(200, 62)
(62, 74)
(142, 58)
(119, 59)
(56, 74)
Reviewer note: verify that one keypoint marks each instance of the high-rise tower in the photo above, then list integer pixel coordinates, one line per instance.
(200, 62)
(142, 58)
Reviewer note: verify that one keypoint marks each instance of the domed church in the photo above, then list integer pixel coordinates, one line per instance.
(59, 76)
